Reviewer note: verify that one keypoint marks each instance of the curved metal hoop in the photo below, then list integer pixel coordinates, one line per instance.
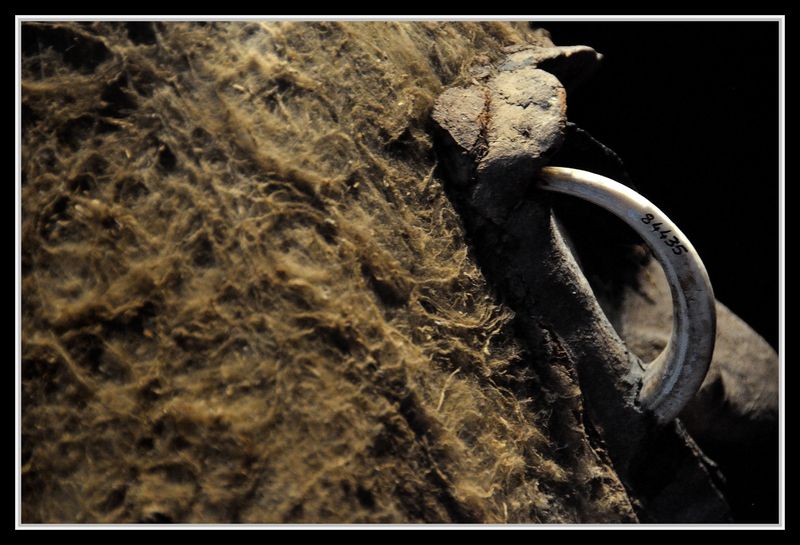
(674, 377)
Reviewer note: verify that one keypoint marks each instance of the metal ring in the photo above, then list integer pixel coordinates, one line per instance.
(674, 377)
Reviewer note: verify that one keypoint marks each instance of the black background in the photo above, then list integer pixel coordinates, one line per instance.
(692, 110)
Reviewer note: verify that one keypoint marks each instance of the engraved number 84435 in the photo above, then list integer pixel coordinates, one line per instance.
(673, 242)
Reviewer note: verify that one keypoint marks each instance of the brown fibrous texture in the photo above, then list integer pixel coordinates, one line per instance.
(247, 298)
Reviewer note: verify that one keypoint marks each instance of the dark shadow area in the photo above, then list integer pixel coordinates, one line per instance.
(692, 110)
